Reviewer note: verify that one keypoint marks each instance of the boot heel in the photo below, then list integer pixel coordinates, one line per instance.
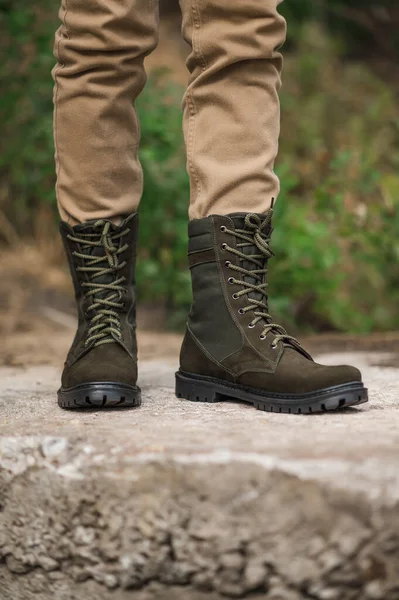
(196, 391)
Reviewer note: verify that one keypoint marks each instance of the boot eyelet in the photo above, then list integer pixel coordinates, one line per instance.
(241, 311)
(235, 296)
(262, 337)
(231, 280)
(223, 229)
(224, 246)
(273, 346)
(227, 264)
(251, 325)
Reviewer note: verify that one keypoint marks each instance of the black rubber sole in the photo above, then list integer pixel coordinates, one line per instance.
(99, 395)
(208, 389)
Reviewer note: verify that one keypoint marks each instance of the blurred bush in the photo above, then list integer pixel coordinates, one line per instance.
(364, 28)
(338, 212)
(337, 218)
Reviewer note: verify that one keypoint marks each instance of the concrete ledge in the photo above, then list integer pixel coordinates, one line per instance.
(130, 506)
(230, 524)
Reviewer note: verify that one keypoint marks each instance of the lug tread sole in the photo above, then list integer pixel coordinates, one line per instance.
(208, 389)
(94, 396)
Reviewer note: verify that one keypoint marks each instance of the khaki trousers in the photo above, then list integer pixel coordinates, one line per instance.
(231, 107)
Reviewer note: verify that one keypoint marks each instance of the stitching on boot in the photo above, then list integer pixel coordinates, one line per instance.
(232, 312)
(250, 367)
(223, 286)
(205, 351)
(201, 257)
(226, 299)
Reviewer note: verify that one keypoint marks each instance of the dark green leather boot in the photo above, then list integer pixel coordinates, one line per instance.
(232, 349)
(101, 367)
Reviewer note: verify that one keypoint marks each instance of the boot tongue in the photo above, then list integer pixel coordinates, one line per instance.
(89, 228)
(239, 223)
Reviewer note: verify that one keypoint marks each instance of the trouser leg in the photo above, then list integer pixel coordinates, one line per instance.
(231, 108)
(100, 48)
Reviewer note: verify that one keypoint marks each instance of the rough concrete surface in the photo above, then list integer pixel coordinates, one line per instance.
(184, 501)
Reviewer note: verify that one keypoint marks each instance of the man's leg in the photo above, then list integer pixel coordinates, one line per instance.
(232, 347)
(231, 108)
(100, 47)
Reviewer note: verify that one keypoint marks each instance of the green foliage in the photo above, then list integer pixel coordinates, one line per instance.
(162, 271)
(337, 218)
(26, 156)
(363, 28)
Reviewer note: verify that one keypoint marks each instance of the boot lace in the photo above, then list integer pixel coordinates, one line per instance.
(104, 318)
(254, 233)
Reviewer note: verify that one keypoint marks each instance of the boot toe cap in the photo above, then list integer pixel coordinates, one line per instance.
(109, 362)
(306, 381)
(337, 375)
